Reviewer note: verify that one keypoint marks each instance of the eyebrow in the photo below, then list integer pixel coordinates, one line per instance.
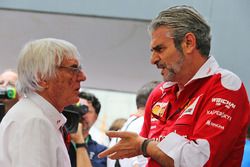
(157, 47)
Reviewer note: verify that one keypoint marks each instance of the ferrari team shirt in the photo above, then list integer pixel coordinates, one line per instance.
(205, 124)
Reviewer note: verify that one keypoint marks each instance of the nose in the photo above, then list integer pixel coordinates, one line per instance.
(82, 76)
(154, 58)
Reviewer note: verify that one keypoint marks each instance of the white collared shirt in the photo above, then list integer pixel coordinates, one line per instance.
(30, 135)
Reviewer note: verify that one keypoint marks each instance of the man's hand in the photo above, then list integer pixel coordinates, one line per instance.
(128, 146)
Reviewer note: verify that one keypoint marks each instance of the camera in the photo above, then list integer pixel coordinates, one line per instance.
(74, 114)
(7, 92)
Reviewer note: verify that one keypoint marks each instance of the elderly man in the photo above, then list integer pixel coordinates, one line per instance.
(199, 116)
(49, 76)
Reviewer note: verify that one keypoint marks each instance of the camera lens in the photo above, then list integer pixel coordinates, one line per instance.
(7, 93)
(83, 109)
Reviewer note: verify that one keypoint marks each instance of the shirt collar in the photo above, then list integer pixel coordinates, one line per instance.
(207, 69)
(55, 117)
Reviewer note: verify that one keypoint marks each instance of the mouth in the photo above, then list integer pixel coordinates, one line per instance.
(164, 71)
(160, 65)
(77, 89)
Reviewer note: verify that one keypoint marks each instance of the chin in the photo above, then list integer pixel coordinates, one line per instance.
(74, 100)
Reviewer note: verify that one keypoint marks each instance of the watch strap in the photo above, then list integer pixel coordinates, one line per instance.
(144, 147)
(79, 145)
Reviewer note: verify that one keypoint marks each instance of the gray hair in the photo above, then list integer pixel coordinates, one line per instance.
(181, 20)
(38, 61)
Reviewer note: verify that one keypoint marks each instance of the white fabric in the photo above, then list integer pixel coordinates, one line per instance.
(30, 135)
(133, 124)
(179, 148)
(99, 136)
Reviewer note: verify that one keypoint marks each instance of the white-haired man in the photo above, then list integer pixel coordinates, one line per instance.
(49, 76)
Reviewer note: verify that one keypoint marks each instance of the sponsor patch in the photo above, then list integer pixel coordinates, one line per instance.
(190, 109)
(220, 114)
(159, 108)
(210, 123)
(220, 101)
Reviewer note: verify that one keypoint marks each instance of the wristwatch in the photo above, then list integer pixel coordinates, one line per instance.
(144, 147)
(79, 145)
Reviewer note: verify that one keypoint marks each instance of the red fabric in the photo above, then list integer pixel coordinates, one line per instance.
(66, 137)
(219, 115)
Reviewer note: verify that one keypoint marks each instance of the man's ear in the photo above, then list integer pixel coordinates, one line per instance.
(189, 42)
(43, 83)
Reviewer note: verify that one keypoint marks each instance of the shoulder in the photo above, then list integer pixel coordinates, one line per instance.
(23, 111)
(229, 80)
(159, 89)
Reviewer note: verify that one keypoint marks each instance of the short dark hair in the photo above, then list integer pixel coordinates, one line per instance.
(93, 99)
(117, 124)
(143, 93)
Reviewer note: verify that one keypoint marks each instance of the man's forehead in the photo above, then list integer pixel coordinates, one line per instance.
(160, 36)
(8, 76)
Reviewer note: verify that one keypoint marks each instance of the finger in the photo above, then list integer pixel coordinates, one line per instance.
(122, 154)
(104, 153)
(109, 151)
(80, 126)
(120, 134)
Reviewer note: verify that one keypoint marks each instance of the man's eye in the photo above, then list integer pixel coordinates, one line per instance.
(158, 49)
(74, 66)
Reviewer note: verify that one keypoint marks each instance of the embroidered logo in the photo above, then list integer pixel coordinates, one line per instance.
(190, 109)
(159, 108)
(210, 123)
(220, 101)
(220, 114)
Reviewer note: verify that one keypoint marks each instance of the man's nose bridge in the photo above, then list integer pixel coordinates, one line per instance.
(82, 76)
(154, 57)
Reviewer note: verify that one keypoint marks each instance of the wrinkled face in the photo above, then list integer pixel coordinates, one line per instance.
(63, 89)
(90, 117)
(8, 81)
(164, 54)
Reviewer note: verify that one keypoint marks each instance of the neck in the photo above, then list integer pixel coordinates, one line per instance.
(192, 65)
(140, 111)
(46, 96)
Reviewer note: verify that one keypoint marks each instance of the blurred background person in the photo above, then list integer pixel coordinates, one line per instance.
(134, 124)
(117, 124)
(8, 95)
(84, 150)
(31, 131)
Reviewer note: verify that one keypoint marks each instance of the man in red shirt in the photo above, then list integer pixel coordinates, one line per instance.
(199, 116)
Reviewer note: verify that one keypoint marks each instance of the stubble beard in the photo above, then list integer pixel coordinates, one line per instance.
(174, 69)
